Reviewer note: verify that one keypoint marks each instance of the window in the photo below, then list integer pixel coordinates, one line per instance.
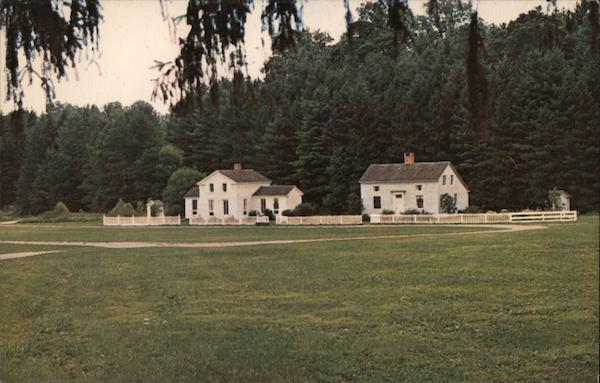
(376, 188)
(451, 179)
(420, 202)
(245, 203)
(211, 207)
(419, 187)
(211, 187)
(263, 205)
(276, 205)
(224, 187)
(377, 202)
(225, 207)
(444, 179)
(194, 206)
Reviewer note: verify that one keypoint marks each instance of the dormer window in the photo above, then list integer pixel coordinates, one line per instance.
(211, 187)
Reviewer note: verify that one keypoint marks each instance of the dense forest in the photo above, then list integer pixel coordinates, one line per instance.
(323, 112)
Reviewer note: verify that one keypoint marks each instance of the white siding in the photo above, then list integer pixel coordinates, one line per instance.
(431, 192)
(188, 207)
(387, 192)
(235, 194)
(456, 187)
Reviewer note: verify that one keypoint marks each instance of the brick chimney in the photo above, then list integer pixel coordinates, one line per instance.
(409, 158)
(237, 166)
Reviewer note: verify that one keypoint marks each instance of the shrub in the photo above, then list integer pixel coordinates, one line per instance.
(288, 213)
(471, 209)
(122, 208)
(366, 217)
(447, 204)
(252, 213)
(387, 212)
(58, 214)
(303, 210)
(270, 214)
(415, 212)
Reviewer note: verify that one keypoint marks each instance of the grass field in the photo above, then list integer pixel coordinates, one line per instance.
(501, 307)
(97, 233)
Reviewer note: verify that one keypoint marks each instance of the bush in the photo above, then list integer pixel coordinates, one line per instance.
(60, 211)
(387, 212)
(270, 214)
(252, 213)
(287, 213)
(415, 212)
(447, 204)
(471, 209)
(122, 208)
(366, 217)
(303, 210)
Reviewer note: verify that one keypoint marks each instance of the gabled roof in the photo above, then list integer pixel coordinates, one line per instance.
(244, 175)
(274, 190)
(192, 193)
(419, 171)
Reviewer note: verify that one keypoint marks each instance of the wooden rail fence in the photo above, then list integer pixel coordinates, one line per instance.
(525, 216)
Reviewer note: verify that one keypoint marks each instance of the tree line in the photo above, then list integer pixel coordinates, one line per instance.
(324, 112)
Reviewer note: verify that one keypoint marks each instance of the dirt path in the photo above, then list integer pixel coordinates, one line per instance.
(209, 245)
(23, 255)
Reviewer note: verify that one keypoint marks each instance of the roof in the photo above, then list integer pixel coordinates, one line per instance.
(244, 175)
(274, 190)
(565, 193)
(419, 171)
(192, 193)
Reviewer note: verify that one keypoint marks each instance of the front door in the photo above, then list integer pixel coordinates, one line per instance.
(398, 203)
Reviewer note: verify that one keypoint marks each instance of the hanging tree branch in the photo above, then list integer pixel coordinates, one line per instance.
(39, 28)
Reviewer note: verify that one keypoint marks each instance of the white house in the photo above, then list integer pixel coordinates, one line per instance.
(234, 193)
(411, 185)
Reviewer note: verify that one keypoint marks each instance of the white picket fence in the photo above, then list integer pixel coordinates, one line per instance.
(525, 216)
(141, 221)
(229, 221)
(320, 220)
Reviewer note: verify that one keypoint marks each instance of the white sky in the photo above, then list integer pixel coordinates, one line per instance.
(133, 34)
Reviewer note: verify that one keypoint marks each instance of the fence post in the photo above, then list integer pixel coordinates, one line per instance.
(462, 218)
(414, 218)
(321, 220)
(179, 219)
(438, 218)
(485, 218)
(118, 219)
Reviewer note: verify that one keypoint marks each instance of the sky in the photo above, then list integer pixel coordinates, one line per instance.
(133, 34)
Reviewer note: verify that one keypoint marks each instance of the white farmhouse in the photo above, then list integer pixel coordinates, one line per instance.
(411, 185)
(234, 193)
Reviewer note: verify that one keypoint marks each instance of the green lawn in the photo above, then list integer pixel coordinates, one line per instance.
(73, 232)
(506, 307)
